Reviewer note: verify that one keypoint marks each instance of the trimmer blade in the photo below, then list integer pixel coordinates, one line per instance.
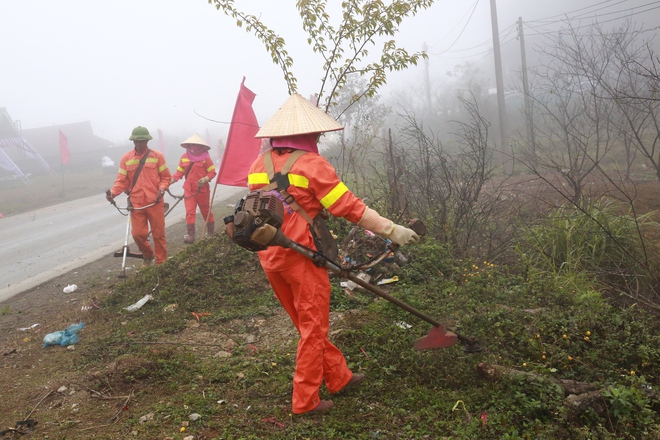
(438, 337)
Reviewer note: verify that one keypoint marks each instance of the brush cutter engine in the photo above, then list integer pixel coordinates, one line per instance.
(256, 220)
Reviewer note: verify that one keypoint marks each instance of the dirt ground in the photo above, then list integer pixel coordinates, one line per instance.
(30, 379)
(47, 301)
(28, 372)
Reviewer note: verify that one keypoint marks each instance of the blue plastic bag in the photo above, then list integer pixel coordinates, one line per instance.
(64, 337)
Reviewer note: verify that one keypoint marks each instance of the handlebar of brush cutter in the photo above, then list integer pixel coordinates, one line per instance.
(415, 224)
(130, 207)
(471, 345)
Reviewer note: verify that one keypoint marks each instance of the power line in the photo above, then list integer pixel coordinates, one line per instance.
(462, 30)
(545, 22)
(540, 32)
(581, 9)
(503, 34)
(458, 22)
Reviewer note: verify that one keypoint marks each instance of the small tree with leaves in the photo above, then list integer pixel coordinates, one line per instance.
(345, 46)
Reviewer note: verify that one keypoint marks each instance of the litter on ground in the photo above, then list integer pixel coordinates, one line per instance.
(137, 305)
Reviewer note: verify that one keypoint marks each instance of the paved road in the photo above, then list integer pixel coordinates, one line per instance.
(37, 246)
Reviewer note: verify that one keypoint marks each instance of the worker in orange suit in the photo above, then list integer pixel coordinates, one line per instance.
(148, 188)
(198, 169)
(303, 288)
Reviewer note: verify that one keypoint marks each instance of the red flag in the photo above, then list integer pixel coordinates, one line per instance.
(242, 148)
(161, 141)
(65, 156)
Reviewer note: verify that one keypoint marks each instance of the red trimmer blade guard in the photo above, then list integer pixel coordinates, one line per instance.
(438, 337)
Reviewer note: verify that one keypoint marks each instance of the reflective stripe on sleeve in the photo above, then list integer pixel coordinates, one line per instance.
(211, 168)
(334, 195)
(163, 167)
(258, 179)
(122, 171)
(298, 180)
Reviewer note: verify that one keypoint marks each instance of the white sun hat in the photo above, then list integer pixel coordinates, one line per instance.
(197, 140)
(298, 116)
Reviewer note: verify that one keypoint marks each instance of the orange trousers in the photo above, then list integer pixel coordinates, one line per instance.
(304, 292)
(200, 199)
(153, 216)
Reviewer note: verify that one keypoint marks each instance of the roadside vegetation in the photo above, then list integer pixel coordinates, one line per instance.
(547, 253)
(214, 342)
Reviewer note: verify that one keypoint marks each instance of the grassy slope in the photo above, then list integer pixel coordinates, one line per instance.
(234, 367)
(170, 365)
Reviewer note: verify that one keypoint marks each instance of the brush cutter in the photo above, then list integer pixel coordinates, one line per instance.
(168, 208)
(257, 225)
(125, 250)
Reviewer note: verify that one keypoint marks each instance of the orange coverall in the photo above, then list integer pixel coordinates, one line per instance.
(303, 288)
(194, 198)
(154, 176)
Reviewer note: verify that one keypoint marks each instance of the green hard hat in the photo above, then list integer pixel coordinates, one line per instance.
(140, 134)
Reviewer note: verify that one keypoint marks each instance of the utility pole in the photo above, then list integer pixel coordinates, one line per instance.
(529, 118)
(501, 106)
(427, 81)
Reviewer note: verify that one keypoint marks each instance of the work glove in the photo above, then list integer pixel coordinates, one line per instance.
(108, 196)
(160, 194)
(401, 235)
(386, 228)
(202, 181)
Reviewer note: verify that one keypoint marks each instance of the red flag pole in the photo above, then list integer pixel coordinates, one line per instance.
(242, 148)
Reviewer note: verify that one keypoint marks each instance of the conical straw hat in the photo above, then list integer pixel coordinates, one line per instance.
(195, 139)
(298, 116)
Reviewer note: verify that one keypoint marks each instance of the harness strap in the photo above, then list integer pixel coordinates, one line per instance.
(270, 169)
(139, 169)
(185, 175)
(280, 181)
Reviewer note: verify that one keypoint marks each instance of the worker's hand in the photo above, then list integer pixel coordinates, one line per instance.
(402, 236)
(173, 181)
(161, 193)
(202, 181)
(397, 234)
(108, 196)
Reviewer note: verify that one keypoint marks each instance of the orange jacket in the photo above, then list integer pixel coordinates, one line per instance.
(154, 176)
(314, 184)
(198, 170)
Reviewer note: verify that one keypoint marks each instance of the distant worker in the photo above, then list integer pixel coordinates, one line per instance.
(144, 176)
(198, 169)
(303, 288)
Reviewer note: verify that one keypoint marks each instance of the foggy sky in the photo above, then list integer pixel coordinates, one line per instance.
(159, 62)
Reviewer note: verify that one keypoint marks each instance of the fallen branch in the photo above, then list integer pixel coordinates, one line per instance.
(494, 372)
(577, 405)
(581, 396)
(102, 397)
(39, 403)
(116, 417)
